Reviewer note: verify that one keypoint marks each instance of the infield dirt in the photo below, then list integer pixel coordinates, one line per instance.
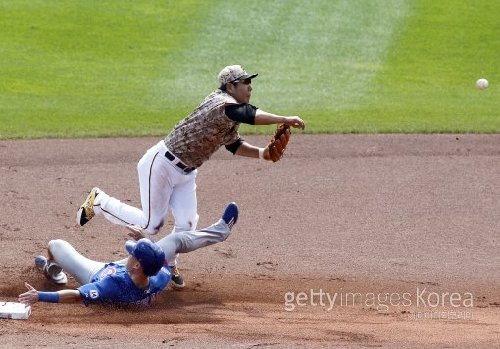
(403, 229)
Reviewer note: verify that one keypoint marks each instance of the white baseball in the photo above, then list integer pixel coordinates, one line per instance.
(482, 84)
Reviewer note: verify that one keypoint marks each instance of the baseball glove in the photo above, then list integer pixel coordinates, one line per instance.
(278, 143)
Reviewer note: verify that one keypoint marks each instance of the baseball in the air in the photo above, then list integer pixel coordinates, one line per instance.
(482, 84)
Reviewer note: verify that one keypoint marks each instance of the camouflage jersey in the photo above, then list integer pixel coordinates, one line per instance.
(195, 138)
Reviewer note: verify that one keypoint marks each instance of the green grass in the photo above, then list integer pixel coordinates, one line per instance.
(87, 68)
(107, 68)
(427, 83)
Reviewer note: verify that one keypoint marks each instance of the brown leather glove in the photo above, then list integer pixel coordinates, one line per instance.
(278, 143)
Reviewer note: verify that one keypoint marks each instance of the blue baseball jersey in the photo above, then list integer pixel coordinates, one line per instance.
(112, 284)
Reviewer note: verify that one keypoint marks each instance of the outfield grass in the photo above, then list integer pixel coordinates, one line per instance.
(427, 83)
(93, 68)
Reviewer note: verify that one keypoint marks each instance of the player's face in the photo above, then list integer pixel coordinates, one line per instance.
(131, 263)
(241, 90)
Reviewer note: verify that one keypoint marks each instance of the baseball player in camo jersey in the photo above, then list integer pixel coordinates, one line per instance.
(134, 280)
(167, 172)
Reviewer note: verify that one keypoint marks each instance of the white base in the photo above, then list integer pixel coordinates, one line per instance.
(13, 310)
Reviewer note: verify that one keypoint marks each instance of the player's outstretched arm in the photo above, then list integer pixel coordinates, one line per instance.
(251, 151)
(274, 149)
(265, 118)
(64, 296)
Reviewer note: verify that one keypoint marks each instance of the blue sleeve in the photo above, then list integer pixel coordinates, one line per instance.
(164, 276)
(103, 291)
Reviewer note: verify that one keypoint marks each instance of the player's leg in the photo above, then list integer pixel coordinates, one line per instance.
(155, 181)
(184, 205)
(188, 241)
(64, 255)
(157, 186)
(120, 213)
(115, 211)
(184, 208)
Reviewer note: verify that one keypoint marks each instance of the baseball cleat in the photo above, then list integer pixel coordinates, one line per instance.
(230, 215)
(86, 211)
(177, 279)
(51, 270)
(59, 278)
(55, 273)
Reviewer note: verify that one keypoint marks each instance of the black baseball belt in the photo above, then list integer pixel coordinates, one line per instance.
(179, 163)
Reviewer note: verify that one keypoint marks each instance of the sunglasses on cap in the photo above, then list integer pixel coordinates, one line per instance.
(244, 82)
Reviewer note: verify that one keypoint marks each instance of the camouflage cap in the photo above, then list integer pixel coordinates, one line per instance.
(233, 73)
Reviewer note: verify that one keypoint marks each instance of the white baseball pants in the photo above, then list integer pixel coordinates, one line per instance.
(162, 186)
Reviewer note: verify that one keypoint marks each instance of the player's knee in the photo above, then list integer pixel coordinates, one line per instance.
(56, 244)
(153, 227)
(188, 225)
(152, 230)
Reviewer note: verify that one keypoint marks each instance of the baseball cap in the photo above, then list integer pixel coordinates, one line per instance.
(233, 73)
(150, 255)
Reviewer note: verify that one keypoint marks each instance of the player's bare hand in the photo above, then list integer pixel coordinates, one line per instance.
(136, 232)
(295, 121)
(29, 297)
